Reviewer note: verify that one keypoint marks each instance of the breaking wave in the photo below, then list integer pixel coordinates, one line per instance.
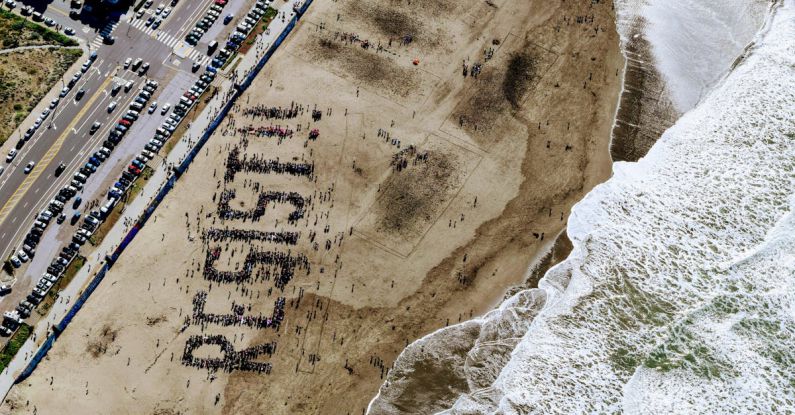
(695, 42)
(679, 294)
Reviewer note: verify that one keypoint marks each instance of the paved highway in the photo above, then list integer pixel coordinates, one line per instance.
(64, 136)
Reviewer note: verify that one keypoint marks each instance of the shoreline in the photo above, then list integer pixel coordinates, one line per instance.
(645, 109)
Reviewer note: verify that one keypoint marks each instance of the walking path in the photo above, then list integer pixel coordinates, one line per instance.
(23, 48)
(133, 211)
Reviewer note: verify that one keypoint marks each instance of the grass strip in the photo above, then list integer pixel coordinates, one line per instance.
(115, 214)
(62, 283)
(14, 344)
(13, 28)
(259, 27)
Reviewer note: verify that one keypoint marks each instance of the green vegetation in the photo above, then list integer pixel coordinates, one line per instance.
(62, 283)
(16, 31)
(266, 20)
(25, 77)
(198, 107)
(115, 214)
(14, 344)
(269, 14)
(229, 61)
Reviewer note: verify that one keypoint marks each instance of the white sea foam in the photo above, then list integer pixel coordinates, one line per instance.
(682, 281)
(679, 295)
(694, 42)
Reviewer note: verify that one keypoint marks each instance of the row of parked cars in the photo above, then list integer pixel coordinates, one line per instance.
(91, 221)
(202, 25)
(239, 35)
(94, 218)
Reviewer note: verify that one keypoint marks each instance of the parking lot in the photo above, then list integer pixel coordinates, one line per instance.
(99, 166)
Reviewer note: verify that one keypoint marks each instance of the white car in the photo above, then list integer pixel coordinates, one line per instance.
(11, 155)
(112, 106)
(22, 256)
(30, 166)
(166, 12)
(165, 108)
(153, 107)
(54, 103)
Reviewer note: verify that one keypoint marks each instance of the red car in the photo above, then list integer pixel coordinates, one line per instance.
(220, 2)
(125, 123)
(134, 170)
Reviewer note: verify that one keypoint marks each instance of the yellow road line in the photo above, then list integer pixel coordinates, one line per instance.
(61, 12)
(49, 156)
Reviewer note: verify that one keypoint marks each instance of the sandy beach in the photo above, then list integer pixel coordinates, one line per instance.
(396, 168)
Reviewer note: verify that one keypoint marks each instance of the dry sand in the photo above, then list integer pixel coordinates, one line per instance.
(493, 164)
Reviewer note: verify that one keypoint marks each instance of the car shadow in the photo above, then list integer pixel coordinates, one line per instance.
(95, 14)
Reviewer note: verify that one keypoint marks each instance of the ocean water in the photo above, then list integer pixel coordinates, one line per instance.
(679, 295)
(694, 42)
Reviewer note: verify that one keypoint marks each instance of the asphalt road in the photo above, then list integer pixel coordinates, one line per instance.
(64, 136)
